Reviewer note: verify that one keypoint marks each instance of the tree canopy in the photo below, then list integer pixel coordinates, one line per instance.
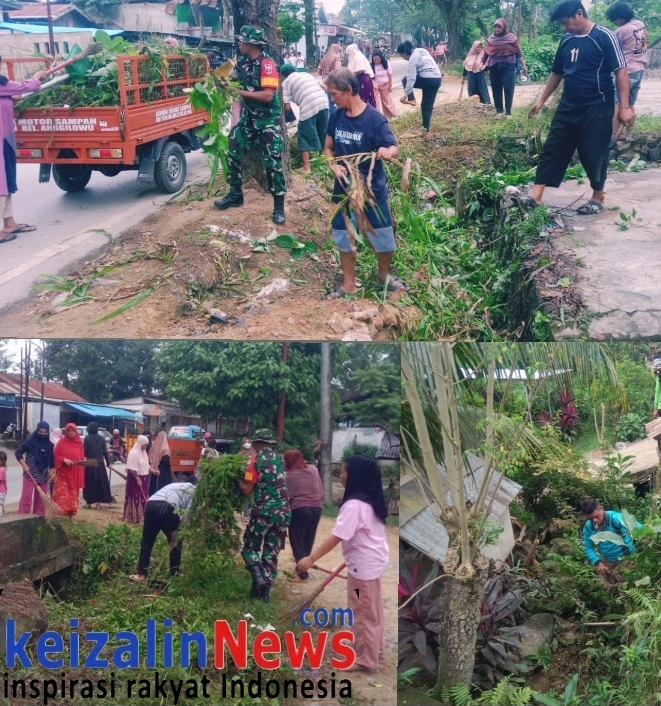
(290, 24)
(102, 370)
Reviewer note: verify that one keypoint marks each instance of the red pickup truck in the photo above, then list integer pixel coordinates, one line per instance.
(149, 129)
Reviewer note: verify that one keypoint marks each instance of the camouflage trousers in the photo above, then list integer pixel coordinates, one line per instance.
(248, 131)
(262, 541)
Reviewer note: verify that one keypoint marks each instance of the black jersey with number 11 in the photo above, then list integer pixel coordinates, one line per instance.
(586, 62)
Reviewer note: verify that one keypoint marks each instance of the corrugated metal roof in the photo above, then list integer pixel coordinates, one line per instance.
(389, 448)
(11, 384)
(419, 524)
(39, 11)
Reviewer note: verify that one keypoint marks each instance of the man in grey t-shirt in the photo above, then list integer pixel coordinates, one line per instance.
(165, 510)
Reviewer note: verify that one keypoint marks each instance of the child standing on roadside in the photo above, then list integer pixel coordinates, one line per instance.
(361, 527)
(3, 482)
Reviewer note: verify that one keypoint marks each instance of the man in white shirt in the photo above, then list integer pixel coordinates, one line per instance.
(304, 90)
(165, 510)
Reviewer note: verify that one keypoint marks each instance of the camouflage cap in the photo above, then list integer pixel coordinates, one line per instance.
(251, 35)
(266, 436)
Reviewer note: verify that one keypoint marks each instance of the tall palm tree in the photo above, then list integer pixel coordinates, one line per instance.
(443, 416)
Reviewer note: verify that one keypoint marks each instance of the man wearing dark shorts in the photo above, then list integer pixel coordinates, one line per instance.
(585, 59)
(304, 90)
(356, 128)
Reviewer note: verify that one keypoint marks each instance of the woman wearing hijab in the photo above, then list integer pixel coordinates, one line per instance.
(332, 60)
(306, 500)
(97, 484)
(69, 477)
(55, 436)
(360, 527)
(9, 89)
(474, 71)
(502, 52)
(36, 458)
(359, 65)
(383, 83)
(137, 481)
(159, 459)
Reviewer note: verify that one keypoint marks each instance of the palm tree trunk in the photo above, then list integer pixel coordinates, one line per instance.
(460, 617)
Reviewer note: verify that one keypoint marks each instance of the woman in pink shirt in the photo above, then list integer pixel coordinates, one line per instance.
(9, 89)
(361, 527)
(383, 84)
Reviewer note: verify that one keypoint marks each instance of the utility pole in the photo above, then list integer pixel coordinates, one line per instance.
(28, 356)
(326, 421)
(51, 35)
(283, 398)
(43, 384)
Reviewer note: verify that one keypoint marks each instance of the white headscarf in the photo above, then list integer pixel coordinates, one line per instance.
(55, 436)
(137, 459)
(358, 61)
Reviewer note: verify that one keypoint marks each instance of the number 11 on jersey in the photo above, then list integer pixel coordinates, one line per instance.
(574, 55)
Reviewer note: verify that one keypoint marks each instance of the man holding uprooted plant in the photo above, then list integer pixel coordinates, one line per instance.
(357, 128)
(596, 541)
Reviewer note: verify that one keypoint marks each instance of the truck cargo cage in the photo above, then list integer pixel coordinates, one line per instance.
(24, 68)
(137, 82)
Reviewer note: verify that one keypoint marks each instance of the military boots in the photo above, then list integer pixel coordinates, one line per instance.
(234, 198)
(279, 209)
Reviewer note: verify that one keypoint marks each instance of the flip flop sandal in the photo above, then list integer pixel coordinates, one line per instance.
(589, 208)
(395, 285)
(9, 236)
(24, 228)
(527, 201)
(339, 293)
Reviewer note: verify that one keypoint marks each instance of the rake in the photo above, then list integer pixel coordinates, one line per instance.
(52, 508)
(294, 612)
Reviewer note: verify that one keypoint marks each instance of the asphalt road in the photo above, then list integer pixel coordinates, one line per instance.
(63, 220)
(15, 479)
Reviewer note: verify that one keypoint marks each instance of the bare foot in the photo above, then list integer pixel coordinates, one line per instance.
(303, 170)
(360, 668)
(138, 578)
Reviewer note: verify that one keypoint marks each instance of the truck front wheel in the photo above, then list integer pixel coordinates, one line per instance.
(170, 169)
(72, 177)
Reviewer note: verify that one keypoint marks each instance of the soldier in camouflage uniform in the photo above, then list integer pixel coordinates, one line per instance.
(260, 120)
(269, 515)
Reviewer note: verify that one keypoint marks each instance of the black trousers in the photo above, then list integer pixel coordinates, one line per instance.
(159, 517)
(502, 82)
(477, 86)
(587, 129)
(429, 88)
(302, 531)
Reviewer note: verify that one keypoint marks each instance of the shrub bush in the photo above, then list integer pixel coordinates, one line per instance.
(539, 57)
(368, 450)
(630, 427)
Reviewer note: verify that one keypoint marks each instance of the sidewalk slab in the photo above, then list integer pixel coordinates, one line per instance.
(619, 281)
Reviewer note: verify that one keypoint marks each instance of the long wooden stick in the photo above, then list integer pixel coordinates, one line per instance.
(461, 90)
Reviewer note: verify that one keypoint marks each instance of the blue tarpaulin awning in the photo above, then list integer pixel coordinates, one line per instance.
(100, 410)
(43, 29)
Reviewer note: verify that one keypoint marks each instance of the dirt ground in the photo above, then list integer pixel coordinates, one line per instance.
(379, 689)
(198, 261)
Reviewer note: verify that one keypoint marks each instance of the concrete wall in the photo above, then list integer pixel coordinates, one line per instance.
(145, 16)
(21, 46)
(51, 414)
(359, 435)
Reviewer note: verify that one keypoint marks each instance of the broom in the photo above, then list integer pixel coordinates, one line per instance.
(294, 612)
(52, 508)
(328, 571)
(93, 48)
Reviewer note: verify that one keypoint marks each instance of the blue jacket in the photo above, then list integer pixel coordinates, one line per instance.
(609, 550)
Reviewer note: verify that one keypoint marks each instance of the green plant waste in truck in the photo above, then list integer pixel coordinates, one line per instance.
(148, 126)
